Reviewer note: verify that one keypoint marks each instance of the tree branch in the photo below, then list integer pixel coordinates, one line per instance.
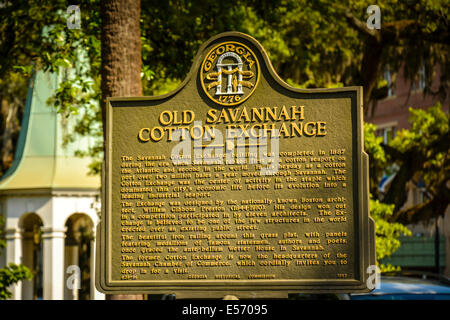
(394, 153)
(427, 210)
(411, 29)
(360, 26)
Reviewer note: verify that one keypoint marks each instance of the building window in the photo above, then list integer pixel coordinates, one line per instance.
(387, 132)
(419, 84)
(419, 192)
(388, 79)
(418, 196)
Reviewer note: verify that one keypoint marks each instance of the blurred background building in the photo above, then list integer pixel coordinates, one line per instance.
(50, 203)
(428, 250)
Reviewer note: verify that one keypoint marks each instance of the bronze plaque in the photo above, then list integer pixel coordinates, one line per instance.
(235, 183)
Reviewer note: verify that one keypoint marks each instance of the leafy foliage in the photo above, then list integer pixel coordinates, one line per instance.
(423, 155)
(387, 233)
(427, 128)
(322, 39)
(377, 156)
(12, 273)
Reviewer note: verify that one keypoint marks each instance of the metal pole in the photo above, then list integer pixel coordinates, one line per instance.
(436, 247)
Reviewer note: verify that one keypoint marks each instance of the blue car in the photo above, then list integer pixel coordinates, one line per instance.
(406, 288)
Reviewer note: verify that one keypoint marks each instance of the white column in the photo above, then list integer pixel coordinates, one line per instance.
(95, 295)
(239, 87)
(14, 255)
(230, 76)
(219, 79)
(53, 263)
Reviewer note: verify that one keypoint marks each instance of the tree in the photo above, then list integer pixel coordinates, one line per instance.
(121, 60)
(333, 48)
(414, 34)
(330, 43)
(120, 49)
(422, 154)
(387, 232)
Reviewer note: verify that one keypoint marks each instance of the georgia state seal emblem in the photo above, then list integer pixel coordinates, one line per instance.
(229, 73)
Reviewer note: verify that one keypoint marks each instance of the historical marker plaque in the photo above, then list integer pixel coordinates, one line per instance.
(235, 183)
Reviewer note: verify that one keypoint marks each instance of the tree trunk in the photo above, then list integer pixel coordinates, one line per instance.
(121, 61)
(9, 130)
(121, 49)
(370, 69)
